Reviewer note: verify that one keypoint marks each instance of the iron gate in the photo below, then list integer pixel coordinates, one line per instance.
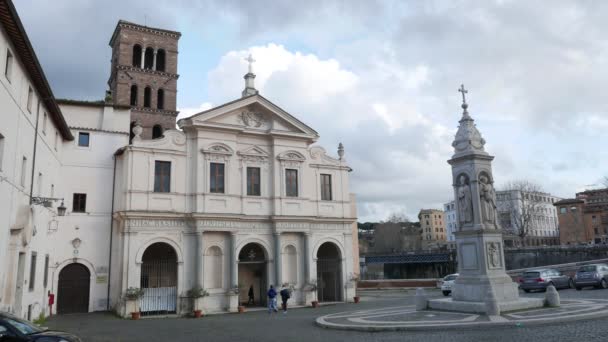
(329, 275)
(159, 282)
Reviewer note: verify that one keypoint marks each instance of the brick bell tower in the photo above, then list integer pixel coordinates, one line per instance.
(144, 75)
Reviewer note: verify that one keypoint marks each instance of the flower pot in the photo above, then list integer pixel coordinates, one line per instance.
(198, 313)
(135, 315)
(356, 298)
(241, 309)
(315, 304)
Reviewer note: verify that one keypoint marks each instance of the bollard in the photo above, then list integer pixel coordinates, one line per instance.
(421, 300)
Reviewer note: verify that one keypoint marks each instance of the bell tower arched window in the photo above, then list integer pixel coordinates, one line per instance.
(147, 97)
(157, 132)
(149, 58)
(137, 55)
(160, 60)
(134, 95)
(160, 100)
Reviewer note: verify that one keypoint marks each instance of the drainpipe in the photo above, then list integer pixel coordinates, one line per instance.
(34, 154)
(116, 154)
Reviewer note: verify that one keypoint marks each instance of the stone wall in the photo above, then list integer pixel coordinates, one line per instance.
(527, 257)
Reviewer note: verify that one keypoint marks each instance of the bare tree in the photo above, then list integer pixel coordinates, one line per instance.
(397, 217)
(523, 205)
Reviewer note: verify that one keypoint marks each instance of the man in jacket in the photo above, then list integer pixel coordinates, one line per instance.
(272, 300)
(285, 294)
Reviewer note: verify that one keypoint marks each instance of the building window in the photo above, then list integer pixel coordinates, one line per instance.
(83, 139)
(30, 99)
(33, 271)
(162, 176)
(44, 120)
(149, 58)
(8, 67)
(39, 183)
(46, 271)
(253, 181)
(79, 203)
(1, 150)
(157, 132)
(23, 170)
(326, 187)
(134, 95)
(147, 97)
(563, 210)
(160, 60)
(136, 55)
(291, 183)
(160, 99)
(56, 140)
(52, 190)
(216, 182)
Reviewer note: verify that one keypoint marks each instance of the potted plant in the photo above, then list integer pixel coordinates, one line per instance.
(195, 293)
(312, 287)
(132, 295)
(354, 278)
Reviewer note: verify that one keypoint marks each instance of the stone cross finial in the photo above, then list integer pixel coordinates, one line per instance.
(250, 60)
(463, 91)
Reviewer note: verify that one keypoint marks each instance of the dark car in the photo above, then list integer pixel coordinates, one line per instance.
(592, 275)
(15, 329)
(539, 279)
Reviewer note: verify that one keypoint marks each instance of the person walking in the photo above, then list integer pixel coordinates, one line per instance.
(251, 300)
(285, 294)
(272, 300)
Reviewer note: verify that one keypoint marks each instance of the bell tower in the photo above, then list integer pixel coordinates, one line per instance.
(144, 75)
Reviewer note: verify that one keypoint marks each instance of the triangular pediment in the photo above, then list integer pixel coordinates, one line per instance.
(253, 114)
(253, 151)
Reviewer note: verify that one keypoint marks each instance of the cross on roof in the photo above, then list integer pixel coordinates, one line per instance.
(463, 91)
(250, 60)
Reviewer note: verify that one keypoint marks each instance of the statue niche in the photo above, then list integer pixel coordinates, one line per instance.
(465, 203)
(487, 197)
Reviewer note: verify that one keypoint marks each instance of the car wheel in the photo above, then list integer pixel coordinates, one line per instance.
(571, 284)
(603, 284)
(446, 293)
(526, 291)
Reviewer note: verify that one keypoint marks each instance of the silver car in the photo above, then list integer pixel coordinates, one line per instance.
(592, 275)
(539, 279)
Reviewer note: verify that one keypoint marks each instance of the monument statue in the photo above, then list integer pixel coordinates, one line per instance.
(488, 200)
(493, 254)
(465, 205)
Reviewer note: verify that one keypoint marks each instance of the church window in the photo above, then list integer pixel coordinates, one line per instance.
(160, 99)
(160, 60)
(291, 183)
(8, 67)
(217, 178)
(134, 95)
(326, 187)
(149, 58)
(137, 56)
(83, 139)
(30, 99)
(157, 131)
(79, 203)
(253, 181)
(147, 97)
(162, 176)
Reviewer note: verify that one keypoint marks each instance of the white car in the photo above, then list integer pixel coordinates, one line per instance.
(448, 281)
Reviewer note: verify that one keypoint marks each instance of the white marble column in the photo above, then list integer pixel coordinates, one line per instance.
(277, 259)
(143, 57)
(234, 262)
(307, 257)
(154, 60)
(200, 254)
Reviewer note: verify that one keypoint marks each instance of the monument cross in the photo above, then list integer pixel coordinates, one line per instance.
(463, 91)
(250, 60)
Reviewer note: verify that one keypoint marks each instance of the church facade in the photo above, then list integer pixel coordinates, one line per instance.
(237, 199)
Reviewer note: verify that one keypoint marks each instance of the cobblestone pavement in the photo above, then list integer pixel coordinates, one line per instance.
(298, 325)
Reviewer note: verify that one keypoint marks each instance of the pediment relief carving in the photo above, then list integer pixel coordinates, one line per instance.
(253, 154)
(218, 149)
(291, 156)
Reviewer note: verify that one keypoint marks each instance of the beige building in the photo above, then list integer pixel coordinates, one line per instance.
(433, 226)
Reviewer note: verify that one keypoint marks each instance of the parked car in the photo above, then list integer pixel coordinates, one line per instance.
(539, 279)
(15, 329)
(592, 275)
(446, 285)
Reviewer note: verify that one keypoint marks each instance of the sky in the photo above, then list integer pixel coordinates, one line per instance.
(379, 76)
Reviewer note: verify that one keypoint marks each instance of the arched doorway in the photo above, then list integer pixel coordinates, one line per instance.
(73, 289)
(329, 273)
(159, 280)
(253, 264)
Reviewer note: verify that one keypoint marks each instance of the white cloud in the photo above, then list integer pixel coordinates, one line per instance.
(188, 112)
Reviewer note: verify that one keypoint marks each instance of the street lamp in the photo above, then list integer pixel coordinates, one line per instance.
(48, 202)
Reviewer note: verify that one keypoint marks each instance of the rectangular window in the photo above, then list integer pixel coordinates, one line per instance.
(563, 210)
(39, 183)
(1, 150)
(216, 182)
(56, 140)
(52, 190)
(83, 139)
(79, 203)
(162, 176)
(23, 170)
(253, 181)
(326, 187)
(30, 99)
(46, 271)
(291, 183)
(8, 67)
(44, 120)
(33, 271)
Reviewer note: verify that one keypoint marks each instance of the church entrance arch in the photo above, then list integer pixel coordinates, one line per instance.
(253, 274)
(159, 280)
(329, 273)
(73, 289)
